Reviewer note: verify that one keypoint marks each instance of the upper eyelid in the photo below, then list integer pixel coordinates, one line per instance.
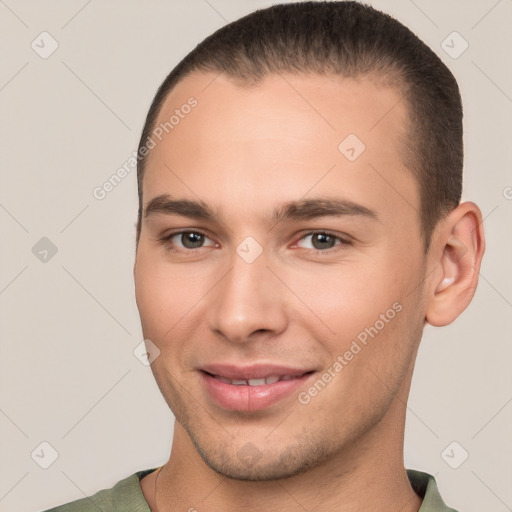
(345, 239)
(324, 232)
(168, 236)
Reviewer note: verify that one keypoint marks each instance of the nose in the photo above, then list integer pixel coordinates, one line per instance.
(247, 302)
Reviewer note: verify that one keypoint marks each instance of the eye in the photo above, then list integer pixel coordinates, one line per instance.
(188, 240)
(321, 241)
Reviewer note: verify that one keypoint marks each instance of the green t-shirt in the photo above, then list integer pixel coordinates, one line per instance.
(126, 496)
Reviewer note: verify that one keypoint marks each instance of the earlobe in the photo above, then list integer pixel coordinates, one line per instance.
(462, 245)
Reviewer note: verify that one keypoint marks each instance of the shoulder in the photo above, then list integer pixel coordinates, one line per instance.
(125, 495)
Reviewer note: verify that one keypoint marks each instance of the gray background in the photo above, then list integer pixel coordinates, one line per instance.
(69, 324)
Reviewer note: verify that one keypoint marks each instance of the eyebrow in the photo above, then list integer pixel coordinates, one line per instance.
(303, 209)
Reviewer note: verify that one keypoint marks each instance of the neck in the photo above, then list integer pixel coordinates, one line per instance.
(367, 475)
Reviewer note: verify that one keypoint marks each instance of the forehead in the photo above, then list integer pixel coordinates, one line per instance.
(283, 133)
(324, 103)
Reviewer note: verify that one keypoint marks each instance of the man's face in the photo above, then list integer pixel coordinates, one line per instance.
(331, 304)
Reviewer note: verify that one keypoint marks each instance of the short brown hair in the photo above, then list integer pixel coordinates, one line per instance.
(348, 39)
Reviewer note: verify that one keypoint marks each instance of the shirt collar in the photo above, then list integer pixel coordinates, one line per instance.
(425, 486)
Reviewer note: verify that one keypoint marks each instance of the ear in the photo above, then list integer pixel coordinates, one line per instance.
(457, 250)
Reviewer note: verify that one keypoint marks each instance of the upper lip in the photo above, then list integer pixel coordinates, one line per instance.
(254, 371)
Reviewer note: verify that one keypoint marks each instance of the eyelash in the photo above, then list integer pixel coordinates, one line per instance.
(166, 239)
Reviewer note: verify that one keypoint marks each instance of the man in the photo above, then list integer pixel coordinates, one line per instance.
(299, 222)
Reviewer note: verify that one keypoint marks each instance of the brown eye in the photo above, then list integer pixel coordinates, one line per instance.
(191, 240)
(188, 240)
(321, 241)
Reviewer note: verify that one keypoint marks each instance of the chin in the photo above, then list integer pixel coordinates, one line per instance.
(249, 464)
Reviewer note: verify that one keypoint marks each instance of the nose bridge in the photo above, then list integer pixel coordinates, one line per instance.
(246, 299)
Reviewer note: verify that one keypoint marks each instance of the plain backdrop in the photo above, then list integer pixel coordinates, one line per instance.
(69, 325)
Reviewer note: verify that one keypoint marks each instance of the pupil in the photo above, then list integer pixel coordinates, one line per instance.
(322, 241)
(192, 240)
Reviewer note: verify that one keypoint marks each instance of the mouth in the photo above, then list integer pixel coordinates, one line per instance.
(251, 388)
(271, 379)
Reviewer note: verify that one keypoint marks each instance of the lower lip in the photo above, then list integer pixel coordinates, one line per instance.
(250, 398)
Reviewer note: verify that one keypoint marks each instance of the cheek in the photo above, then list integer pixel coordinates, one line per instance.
(154, 292)
(167, 295)
(344, 299)
(366, 301)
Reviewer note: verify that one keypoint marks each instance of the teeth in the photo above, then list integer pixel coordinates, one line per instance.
(256, 382)
(272, 379)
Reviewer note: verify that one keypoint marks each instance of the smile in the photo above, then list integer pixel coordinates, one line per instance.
(255, 382)
(251, 388)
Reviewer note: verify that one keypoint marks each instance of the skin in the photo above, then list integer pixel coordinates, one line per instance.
(244, 151)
